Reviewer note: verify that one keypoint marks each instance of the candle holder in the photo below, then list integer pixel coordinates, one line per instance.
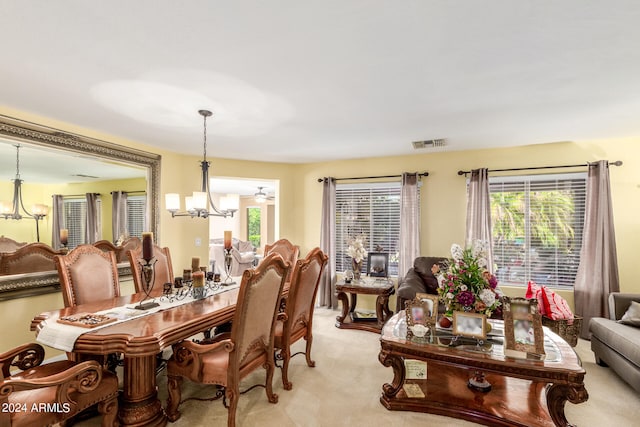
(147, 274)
(228, 259)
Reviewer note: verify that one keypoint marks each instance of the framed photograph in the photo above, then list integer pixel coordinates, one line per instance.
(431, 302)
(378, 264)
(523, 332)
(473, 325)
(421, 312)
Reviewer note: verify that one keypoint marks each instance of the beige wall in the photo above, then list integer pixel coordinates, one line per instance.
(443, 201)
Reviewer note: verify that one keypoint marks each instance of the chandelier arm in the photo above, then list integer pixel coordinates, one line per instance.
(18, 191)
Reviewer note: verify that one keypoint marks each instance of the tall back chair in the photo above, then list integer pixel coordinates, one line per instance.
(87, 274)
(29, 258)
(9, 245)
(287, 250)
(249, 346)
(163, 270)
(299, 310)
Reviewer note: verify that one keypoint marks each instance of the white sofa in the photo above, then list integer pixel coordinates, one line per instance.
(243, 255)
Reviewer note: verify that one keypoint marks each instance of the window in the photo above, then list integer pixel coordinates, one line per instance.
(75, 220)
(372, 210)
(537, 228)
(253, 226)
(136, 215)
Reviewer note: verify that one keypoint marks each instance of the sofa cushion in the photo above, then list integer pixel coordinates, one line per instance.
(621, 338)
(555, 307)
(632, 316)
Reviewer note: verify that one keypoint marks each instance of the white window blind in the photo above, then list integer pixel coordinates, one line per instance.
(75, 220)
(136, 215)
(538, 223)
(372, 210)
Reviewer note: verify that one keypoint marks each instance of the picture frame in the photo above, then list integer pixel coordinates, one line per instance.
(523, 332)
(421, 312)
(468, 324)
(432, 305)
(378, 264)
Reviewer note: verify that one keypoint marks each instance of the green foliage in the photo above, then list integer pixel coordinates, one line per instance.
(253, 226)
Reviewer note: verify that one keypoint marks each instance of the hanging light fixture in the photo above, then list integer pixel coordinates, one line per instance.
(199, 204)
(260, 196)
(12, 211)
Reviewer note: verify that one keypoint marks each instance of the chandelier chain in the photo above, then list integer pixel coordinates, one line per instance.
(17, 161)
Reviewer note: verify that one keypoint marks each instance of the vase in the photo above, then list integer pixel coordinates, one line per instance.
(357, 267)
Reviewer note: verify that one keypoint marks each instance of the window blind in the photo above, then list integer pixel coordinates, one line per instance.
(75, 217)
(537, 225)
(136, 215)
(372, 210)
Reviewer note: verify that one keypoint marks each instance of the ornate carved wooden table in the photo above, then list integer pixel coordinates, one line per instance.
(524, 392)
(140, 339)
(383, 288)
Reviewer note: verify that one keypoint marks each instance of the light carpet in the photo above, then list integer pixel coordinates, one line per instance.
(345, 386)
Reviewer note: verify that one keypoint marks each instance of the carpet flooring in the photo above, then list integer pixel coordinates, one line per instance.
(345, 386)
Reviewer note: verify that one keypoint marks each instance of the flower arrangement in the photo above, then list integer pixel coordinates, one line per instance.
(465, 284)
(357, 251)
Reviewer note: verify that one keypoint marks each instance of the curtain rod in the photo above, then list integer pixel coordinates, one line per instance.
(132, 192)
(374, 177)
(80, 195)
(616, 163)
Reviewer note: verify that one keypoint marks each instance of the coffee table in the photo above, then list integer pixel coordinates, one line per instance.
(524, 392)
(348, 319)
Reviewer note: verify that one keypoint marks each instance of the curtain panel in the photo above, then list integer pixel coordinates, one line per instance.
(119, 215)
(598, 270)
(92, 229)
(327, 295)
(409, 223)
(479, 212)
(57, 220)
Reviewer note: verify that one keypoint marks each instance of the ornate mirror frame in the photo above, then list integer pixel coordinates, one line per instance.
(21, 285)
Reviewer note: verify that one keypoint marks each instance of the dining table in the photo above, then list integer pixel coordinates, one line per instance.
(139, 340)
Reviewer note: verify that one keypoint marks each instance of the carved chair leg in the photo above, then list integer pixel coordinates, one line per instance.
(309, 339)
(109, 411)
(174, 384)
(285, 354)
(232, 396)
(270, 366)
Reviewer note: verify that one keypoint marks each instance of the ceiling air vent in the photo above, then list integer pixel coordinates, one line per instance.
(429, 143)
(81, 175)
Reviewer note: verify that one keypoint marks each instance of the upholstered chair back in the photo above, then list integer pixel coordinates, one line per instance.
(287, 250)
(29, 258)
(9, 245)
(303, 289)
(163, 270)
(258, 298)
(87, 274)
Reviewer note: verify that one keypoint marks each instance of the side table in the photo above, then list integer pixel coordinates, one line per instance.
(382, 288)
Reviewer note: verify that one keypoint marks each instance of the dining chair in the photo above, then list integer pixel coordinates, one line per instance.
(287, 250)
(58, 390)
(87, 274)
(162, 271)
(30, 258)
(297, 321)
(247, 347)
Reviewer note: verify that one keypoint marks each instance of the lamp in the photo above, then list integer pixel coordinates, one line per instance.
(198, 204)
(260, 196)
(13, 211)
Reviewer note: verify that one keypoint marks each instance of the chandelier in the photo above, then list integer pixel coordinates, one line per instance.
(12, 211)
(199, 204)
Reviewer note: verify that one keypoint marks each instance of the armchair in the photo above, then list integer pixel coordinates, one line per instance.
(418, 279)
(241, 260)
(66, 387)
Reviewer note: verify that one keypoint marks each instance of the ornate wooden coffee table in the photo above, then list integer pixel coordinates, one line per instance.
(383, 288)
(524, 392)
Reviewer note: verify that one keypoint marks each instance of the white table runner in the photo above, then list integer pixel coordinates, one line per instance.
(63, 337)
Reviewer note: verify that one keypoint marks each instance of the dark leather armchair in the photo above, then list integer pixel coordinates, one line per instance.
(418, 279)
(297, 321)
(249, 345)
(66, 387)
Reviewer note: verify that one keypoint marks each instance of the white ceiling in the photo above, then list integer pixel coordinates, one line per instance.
(319, 80)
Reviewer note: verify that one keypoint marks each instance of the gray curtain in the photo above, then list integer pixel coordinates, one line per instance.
(92, 223)
(119, 215)
(57, 220)
(327, 294)
(479, 212)
(598, 271)
(409, 223)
